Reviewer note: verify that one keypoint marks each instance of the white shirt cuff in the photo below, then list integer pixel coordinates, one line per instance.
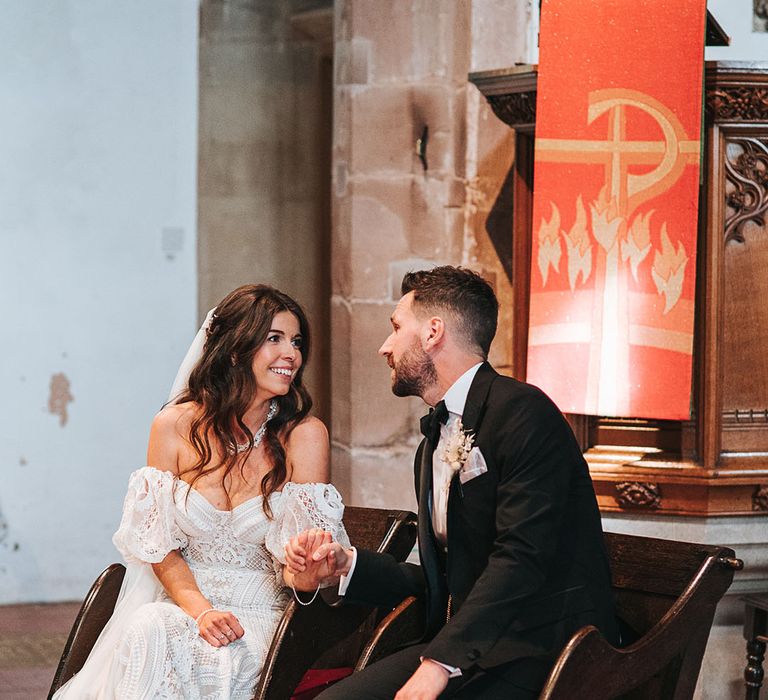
(453, 671)
(345, 579)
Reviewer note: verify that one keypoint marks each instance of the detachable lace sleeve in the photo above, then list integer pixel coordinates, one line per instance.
(148, 529)
(302, 507)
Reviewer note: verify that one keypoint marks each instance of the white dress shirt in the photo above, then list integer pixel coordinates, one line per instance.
(454, 398)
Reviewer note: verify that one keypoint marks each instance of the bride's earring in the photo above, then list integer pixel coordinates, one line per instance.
(233, 359)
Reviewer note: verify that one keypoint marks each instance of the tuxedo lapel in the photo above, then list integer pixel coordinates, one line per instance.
(474, 408)
(471, 418)
(427, 552)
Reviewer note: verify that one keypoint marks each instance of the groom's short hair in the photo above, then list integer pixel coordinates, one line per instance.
(464, 294)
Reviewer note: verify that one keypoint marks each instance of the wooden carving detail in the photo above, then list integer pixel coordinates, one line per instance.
(746, 185)
(738, 104)
(515, 109)
(760, 498)
(636, 494)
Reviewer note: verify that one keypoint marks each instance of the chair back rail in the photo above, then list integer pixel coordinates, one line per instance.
(94, 614)
(666, 592)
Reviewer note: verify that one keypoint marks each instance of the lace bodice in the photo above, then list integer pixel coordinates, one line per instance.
(235, 555)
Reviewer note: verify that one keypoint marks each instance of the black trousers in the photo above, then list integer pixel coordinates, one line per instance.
(380, 681)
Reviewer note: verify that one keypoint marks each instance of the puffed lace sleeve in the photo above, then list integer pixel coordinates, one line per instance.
(148, 529)
(302, 507)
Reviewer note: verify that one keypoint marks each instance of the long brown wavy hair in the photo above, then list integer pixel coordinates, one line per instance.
(223, 385)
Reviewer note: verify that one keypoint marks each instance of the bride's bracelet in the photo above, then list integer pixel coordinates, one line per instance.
(299, 600)
(205, 612)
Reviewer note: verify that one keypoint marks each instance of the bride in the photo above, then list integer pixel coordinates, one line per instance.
(236, 468)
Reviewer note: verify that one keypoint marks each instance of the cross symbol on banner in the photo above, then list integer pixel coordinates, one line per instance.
(616, 153)
(608, 386)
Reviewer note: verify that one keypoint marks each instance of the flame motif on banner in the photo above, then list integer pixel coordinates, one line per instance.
(607, 231)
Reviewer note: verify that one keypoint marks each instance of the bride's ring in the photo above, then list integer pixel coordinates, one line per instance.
(220, 636)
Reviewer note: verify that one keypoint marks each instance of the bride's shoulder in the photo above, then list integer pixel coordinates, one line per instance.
(167, 436)
(310, 428)
(175, 418)
(307, 451)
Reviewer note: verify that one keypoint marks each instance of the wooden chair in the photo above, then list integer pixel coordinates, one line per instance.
(318, 635)
(666, 593)
(94, 613)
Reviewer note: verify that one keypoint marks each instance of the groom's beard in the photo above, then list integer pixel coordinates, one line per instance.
(414, 373)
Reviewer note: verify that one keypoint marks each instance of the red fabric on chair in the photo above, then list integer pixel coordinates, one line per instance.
(317, 680)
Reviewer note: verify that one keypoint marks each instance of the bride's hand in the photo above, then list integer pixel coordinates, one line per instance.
(312, 558)
(219, 628)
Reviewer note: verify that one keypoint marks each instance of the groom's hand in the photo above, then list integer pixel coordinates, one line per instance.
(426, 683)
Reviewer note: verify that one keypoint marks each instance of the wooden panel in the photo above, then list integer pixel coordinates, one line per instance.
(745, 314)
(716, 463)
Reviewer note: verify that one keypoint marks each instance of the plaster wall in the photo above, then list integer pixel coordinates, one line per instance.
(97, 222)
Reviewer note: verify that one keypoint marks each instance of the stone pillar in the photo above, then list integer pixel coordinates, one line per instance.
(398, 68)
(264, 140)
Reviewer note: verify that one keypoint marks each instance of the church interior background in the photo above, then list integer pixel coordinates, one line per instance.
(157, 155)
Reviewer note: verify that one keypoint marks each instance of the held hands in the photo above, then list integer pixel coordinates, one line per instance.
(312, 559)
(428, 681)
(219, 627)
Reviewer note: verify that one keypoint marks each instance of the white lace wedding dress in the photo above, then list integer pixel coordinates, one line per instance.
(151, 648)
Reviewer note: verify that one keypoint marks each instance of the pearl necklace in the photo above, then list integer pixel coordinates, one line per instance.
(259, 434)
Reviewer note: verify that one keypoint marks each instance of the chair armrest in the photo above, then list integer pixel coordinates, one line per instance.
(403, 625)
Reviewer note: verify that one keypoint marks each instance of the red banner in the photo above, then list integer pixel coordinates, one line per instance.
(615, 209)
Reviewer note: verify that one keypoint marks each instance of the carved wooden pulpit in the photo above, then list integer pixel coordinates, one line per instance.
(717, 462)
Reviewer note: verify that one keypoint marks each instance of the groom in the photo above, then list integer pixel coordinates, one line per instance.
(510, 541)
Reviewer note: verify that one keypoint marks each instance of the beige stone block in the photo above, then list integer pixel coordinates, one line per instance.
(342, 123)
(382, 479)
(378, 417)
(235, 245)
(379, 232)
(455, 224)
(341, 474)
(416, 40)
(341, 372)
(399, 268)
(341, 247)
(441, 108)
(381, 133)
(243, 20)
(351, 59)
(459, 104)
(401, 218)
(238, 116)
(246, 64)
(431, 233)
(236, 169)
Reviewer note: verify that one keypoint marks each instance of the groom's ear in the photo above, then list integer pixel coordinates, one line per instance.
(434, 332)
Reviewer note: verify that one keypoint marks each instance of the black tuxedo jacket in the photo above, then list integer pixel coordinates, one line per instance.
(526, 564)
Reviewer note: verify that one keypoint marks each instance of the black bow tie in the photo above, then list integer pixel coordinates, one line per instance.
(430, 424)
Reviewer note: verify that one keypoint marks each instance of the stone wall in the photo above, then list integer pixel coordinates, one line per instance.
(401, 67)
